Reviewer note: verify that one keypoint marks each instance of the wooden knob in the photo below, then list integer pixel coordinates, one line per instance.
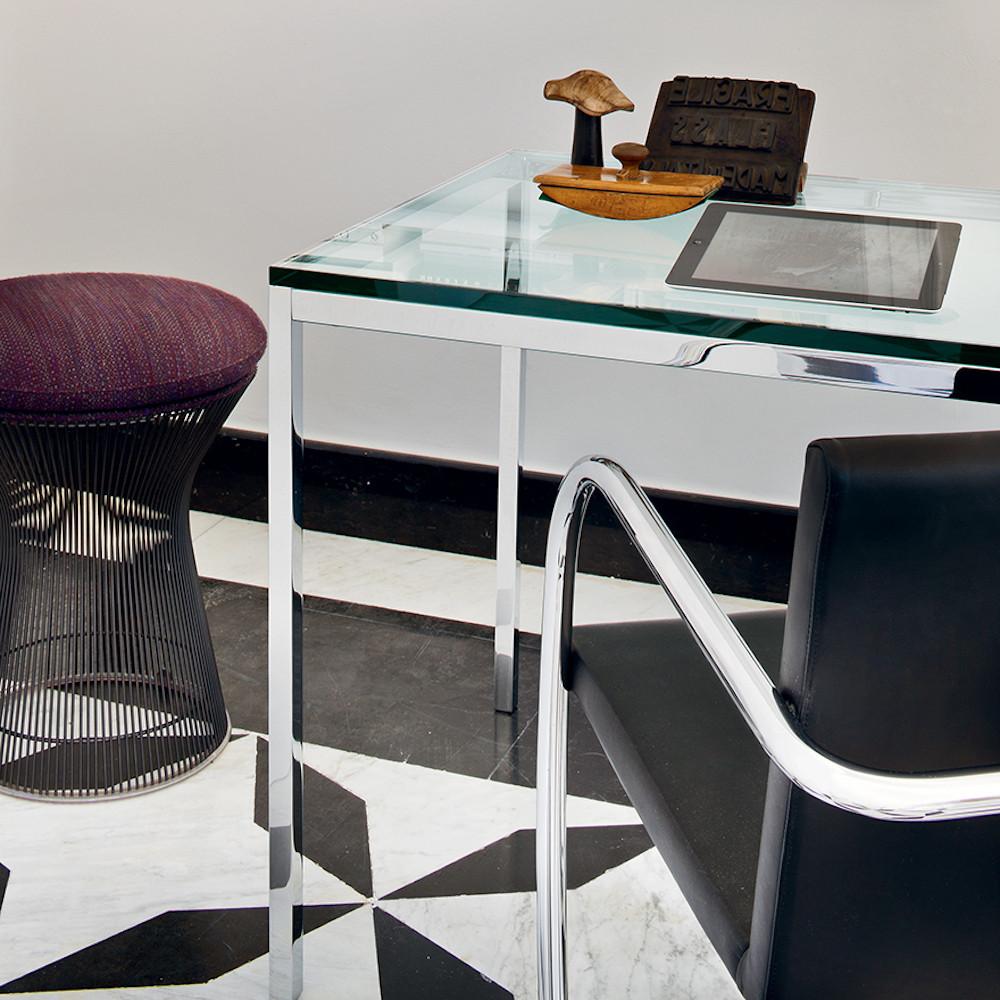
(630, 154)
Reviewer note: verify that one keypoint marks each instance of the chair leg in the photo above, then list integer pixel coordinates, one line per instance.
(550, 844)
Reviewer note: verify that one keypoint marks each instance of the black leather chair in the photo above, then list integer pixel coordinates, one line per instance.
(885, 666)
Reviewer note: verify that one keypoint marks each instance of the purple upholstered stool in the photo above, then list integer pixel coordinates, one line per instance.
(112, 388)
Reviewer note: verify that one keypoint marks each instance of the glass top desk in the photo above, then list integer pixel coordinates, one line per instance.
(484, 259)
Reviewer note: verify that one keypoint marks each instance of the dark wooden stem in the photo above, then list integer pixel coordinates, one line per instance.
(588, 148)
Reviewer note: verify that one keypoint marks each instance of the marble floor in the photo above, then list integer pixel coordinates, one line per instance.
(419, 813)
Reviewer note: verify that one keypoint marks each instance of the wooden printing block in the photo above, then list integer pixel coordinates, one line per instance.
(751, 133)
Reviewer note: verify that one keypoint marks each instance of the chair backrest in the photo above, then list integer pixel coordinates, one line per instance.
(891, 660)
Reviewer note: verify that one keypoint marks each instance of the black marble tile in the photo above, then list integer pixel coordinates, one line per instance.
(334, 825)
(398, 686)
(174, 948)
(411, 966)
(508, 865)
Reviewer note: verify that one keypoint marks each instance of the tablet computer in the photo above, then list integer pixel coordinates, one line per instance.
(869, 260)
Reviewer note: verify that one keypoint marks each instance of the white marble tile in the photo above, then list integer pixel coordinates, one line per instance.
(494, 934)
(233, 549)
(445, 816)
(630, 935)
(201, 521)
(422, 581)
(81, 872)
(338, 960)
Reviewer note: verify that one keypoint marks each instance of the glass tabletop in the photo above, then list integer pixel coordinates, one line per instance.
(488, 240)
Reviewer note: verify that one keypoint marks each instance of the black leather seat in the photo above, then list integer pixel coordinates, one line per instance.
(890, 658)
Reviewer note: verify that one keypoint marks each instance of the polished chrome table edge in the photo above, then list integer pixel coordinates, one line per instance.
(284, 658)
(643, 346)
(921, 377)
(877, 794)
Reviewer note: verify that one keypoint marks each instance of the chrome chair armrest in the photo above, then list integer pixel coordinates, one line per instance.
(881, 795)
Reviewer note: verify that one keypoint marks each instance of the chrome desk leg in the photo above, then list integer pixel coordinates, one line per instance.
(284, 655)
(512, 361)
(550, 846)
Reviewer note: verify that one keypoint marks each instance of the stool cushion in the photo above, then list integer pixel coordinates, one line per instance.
(120, 345)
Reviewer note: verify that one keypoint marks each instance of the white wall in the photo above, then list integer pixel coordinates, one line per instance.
(208, 138)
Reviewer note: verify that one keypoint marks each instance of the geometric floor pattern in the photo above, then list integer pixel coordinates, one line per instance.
(109, 899)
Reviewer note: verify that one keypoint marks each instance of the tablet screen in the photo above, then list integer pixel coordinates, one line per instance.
(870, 260)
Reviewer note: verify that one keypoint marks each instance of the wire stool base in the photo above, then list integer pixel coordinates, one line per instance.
(108, 680)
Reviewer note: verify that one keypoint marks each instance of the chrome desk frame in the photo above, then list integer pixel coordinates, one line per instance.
(514, 336)
(884, 796)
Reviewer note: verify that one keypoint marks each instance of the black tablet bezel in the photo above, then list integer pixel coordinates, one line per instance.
(932, 290)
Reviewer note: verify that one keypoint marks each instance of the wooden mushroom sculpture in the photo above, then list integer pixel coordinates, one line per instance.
(593, 95)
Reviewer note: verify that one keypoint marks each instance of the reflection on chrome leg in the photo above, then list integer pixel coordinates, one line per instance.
(511, 437)
(285, 649)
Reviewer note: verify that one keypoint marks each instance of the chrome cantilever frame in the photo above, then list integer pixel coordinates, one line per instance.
(870, 793)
